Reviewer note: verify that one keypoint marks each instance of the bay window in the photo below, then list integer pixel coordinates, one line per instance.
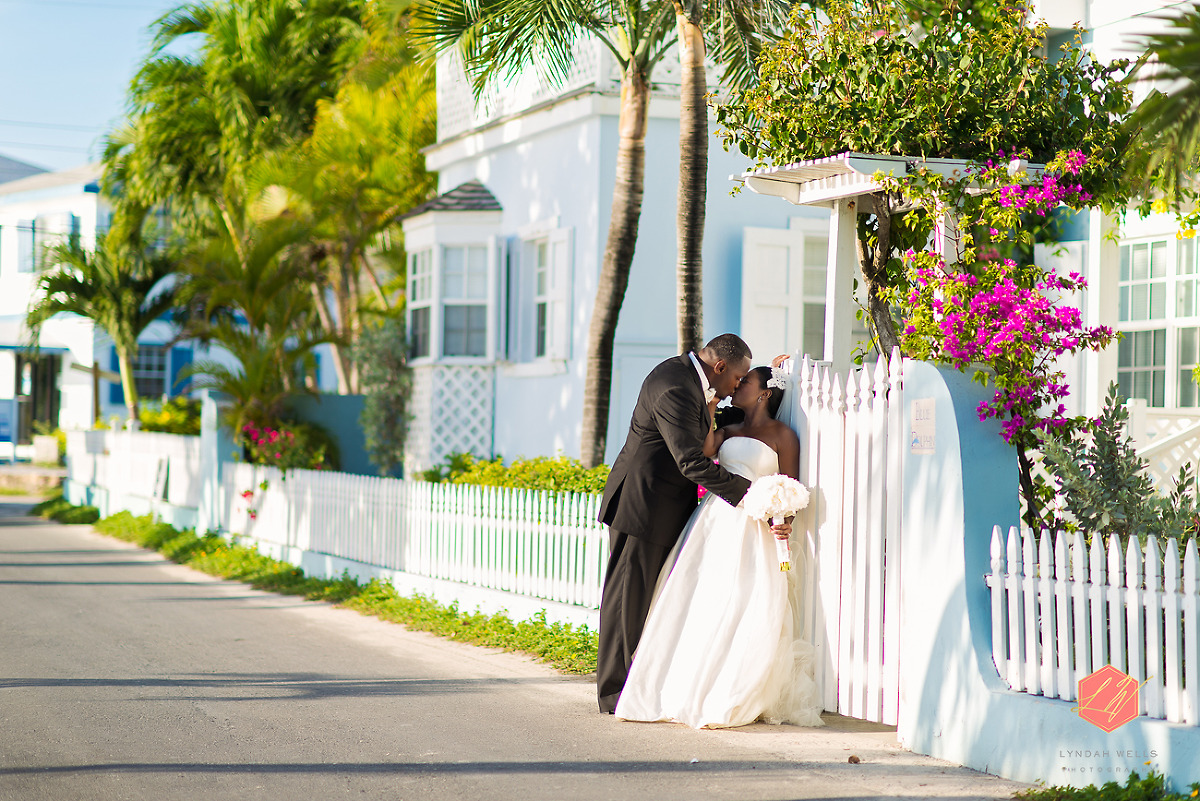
(1159, 321)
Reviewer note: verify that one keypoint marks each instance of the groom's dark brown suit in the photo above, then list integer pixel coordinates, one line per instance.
(650, 494)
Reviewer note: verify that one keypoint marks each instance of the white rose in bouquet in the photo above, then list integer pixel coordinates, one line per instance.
(774, 498)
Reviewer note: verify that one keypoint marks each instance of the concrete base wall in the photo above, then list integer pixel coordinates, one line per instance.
(953, 704)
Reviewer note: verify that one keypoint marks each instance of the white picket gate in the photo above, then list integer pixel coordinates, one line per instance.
(546, 545)
(1062, 611)
(851, 431)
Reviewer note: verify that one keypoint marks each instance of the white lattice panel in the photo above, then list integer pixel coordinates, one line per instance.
(418, 454)
(461, 413)
(1161, 423)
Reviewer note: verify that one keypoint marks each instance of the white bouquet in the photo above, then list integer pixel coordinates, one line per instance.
(774, 498)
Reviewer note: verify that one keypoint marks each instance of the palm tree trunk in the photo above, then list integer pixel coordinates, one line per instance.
(693, 180)
(125, 365)
(330, 325)
(618, 256)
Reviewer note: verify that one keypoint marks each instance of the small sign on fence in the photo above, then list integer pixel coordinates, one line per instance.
(924, 426)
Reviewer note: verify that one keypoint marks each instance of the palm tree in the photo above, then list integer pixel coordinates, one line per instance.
(120, 286)
(498, 39)
(1168, 123)
(361, 167)
(737, 32)
(258, 307)
(201, 124)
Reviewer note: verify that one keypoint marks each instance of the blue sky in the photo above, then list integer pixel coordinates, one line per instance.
(65, 66)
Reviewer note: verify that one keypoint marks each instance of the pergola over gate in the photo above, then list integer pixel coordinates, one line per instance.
(839, 183)
(851, 424)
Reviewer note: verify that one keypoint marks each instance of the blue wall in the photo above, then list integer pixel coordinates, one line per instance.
(338, 414)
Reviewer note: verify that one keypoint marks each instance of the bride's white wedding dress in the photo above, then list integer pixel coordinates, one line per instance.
(718, 649)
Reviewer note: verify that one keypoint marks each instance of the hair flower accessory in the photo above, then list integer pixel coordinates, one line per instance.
(778, 378)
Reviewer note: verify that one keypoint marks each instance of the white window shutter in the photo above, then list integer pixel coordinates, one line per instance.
(772, 291)
(523, 305)
(497, 298)
(559, 324)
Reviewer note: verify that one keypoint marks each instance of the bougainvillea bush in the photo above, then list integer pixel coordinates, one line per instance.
(289, 446)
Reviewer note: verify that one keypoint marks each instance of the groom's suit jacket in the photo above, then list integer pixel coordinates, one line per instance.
(651, 490)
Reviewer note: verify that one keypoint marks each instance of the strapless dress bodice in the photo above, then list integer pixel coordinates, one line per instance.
(748, 457)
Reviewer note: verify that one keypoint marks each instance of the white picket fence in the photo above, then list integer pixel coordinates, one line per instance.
(1062, 611)
(546, 545)
(150, 465)
(550, 545)
(852, 438)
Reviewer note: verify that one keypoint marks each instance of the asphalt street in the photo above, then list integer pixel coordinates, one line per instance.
(123, 676)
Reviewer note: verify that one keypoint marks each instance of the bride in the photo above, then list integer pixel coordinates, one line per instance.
(718, 649)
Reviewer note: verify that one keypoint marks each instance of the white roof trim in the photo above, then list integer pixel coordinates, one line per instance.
(819, 181)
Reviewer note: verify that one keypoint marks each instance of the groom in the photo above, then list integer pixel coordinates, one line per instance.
(651, 492)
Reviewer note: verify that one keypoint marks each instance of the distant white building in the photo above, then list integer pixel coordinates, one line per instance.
(49, 386)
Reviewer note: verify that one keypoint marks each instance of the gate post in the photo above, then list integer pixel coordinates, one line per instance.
(216, 448)
(960, 480)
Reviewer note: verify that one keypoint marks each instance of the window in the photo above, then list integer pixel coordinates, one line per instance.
(465, 298)
(541, 295)
(1142, 365)
(541, 308)
(1143, 281)
(26, 246)
(1188, 358)
(1186, 303)
(1159, 316)
(34, 236)
(450, 301)
(150, 371)
(420, 297)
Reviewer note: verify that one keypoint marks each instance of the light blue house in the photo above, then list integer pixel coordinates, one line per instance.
(503, 265)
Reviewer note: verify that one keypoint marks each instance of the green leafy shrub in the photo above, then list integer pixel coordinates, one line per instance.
(1104, 488)
(1152, 788)
(557, 474)
(381, 354)
(178, 415)
(290, 446)
(61, 510)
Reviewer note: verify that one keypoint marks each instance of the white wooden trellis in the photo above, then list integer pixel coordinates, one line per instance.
(1074, 608)
(848, 599)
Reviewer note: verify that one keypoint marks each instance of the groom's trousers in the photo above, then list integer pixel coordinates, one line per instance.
(633, 568)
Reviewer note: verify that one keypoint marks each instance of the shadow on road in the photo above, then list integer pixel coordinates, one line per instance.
(287, 686)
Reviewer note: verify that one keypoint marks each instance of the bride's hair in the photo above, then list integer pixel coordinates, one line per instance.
(776, 398)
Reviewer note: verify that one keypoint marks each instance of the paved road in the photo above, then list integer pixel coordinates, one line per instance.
(126, 677)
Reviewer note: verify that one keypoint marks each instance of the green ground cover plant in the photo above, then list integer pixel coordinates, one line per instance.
(59, 509)
(571, 649)
(1152, 788)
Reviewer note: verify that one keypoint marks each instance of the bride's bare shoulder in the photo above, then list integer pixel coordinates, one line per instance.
(784, 432)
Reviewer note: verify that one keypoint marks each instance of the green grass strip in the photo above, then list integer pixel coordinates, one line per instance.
(571, 649)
